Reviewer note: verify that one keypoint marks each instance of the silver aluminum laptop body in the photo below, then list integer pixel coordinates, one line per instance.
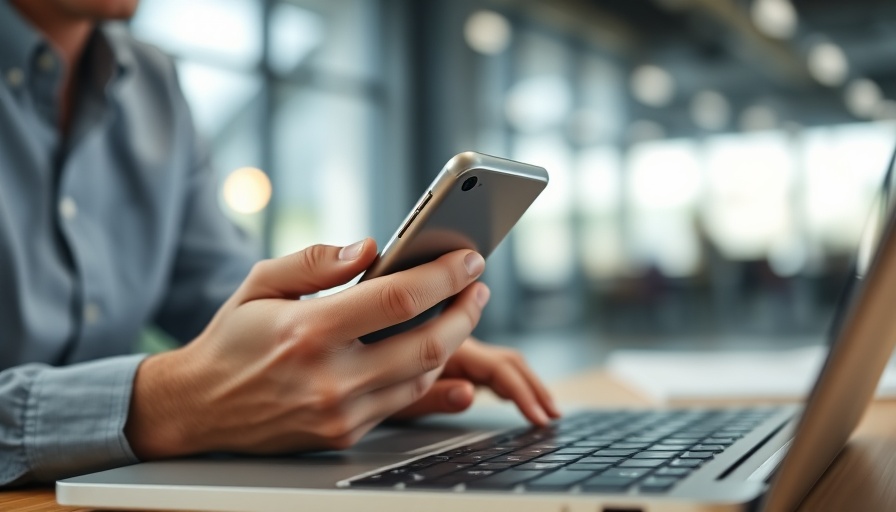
(772, 468)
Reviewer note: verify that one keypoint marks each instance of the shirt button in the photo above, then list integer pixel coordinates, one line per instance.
(46, 62)
(15, 77)
(91, 313)
(68, 208)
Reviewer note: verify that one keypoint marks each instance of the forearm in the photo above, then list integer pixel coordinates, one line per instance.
(58, 422)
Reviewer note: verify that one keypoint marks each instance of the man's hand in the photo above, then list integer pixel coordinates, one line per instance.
(271, 373)
(502, 369)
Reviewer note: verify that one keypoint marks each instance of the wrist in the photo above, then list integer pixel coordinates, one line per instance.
(162, 415)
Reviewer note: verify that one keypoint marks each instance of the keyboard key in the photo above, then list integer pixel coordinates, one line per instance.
(655, 455)
(452, 479)
(539, 466)
(600, 460)
(433, 472)
(668, 447)
(557, 481)
(679, 442)
(724, 441)
(495, 466)
(686, 463)
(591, 444)
(697, 455)
(513, 459)
(642, 463)
(676, 472)
(534, 452)
(626, 472)
(715, 448)
(578, 466)
(504, 480)
(576, 450)
(629, 446)
(614, 453)
(558, 458)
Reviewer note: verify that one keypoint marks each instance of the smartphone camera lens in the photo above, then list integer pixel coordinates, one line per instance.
(469, 183)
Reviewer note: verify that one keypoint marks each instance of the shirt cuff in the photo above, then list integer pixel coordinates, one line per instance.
(75, 418)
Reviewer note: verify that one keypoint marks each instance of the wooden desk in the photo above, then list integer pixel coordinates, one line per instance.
(862, 478)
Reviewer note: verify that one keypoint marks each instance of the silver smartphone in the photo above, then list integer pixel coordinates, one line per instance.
(471, 204)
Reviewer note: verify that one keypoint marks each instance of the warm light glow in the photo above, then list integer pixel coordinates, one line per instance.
(487, 32)
(828, 64)
(247, 190)
(652, 85)
(774, 18)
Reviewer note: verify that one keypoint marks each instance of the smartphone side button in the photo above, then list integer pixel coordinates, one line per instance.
(424, 201)
(408, 223)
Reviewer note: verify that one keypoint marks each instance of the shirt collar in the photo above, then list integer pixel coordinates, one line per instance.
(20, 42)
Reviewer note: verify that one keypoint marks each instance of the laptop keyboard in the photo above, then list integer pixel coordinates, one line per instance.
(600, 451)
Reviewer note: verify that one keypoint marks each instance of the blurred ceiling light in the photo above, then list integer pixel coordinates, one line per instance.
(538, 103)
(885, 111)
(487, 32)
(862, 96)
(710, 110)
(247, 190)
(774, 18)
(828, 64)
(758, 118)
(643, 130)
(652, 85)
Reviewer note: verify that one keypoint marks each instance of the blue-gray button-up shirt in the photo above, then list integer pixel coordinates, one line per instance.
(104, 230)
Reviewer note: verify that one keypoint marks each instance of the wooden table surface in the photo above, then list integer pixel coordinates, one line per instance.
(862, 478)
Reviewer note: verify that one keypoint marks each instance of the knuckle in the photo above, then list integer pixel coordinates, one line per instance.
(327, 398)
(432, 354)
(337, 431)
(312, 257)
(399, 303)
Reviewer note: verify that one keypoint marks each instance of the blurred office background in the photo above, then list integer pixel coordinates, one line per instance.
(712, 161)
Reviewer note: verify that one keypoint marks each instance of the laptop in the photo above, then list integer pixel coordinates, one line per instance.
(749, 458)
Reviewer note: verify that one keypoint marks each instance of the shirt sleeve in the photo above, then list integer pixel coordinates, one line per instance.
(59, 422)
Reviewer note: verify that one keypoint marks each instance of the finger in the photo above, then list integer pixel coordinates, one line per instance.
(423, 349)
(308, 271)
(446, 395)
(508, 383)
(398, 297)
(541, 391)
(385, 402)
(505, 379)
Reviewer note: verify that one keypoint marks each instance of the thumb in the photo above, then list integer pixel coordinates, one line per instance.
(308, 271)
(446, 395)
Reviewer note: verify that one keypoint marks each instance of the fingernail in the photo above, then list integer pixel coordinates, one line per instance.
(542, 416)
(351, 252)
(474, 263)
(457, 396)
(482, 296)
